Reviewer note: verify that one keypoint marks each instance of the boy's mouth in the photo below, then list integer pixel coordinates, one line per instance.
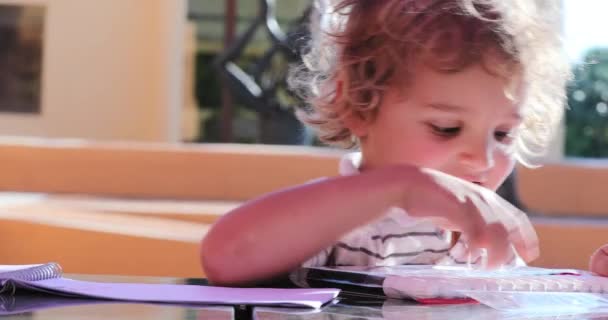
(475, 179)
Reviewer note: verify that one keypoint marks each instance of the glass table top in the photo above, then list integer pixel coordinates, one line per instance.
(37, 306)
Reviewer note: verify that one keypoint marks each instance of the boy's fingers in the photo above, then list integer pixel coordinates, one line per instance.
(472, 225)
(599, 261)
(521, 234)
(496, 244)
(525, 241)
(520, 231)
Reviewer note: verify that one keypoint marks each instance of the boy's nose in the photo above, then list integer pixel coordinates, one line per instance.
(478, 156)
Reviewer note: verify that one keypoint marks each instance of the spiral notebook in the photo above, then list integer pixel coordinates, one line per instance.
(48, 278)
(447, 284)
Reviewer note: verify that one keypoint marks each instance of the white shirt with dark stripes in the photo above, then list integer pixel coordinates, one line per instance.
(394, 239)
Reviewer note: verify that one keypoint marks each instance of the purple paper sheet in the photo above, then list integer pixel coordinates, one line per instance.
(185, 294)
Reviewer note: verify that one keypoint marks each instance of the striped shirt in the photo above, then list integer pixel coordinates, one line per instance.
(394, 239)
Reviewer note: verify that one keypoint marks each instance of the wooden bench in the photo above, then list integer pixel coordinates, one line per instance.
(133, 208)
(570, 209)
(183, 171)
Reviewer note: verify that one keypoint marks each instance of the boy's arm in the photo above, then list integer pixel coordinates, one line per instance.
(273, 234)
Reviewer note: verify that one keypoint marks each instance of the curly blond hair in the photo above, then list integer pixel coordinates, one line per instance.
(360, 48)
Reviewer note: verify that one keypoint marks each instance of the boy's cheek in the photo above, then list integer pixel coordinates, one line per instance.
(599, 261)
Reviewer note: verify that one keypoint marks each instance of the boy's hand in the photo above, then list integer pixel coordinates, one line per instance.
(599, 261)
(484, 218)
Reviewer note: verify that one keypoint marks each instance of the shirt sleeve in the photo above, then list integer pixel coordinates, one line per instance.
(319, 260)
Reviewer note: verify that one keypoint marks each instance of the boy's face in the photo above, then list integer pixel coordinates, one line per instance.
(459, 123)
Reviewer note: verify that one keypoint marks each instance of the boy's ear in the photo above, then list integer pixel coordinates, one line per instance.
(357, 125)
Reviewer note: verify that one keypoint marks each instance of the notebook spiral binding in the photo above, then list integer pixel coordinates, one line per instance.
(34, 273)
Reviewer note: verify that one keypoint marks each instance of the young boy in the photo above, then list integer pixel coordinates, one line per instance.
(440, 97)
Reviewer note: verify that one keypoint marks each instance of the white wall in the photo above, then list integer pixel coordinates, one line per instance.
(112, 69)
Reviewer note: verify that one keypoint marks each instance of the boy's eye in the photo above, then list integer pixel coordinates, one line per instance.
(445, 131)
(503, 136)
